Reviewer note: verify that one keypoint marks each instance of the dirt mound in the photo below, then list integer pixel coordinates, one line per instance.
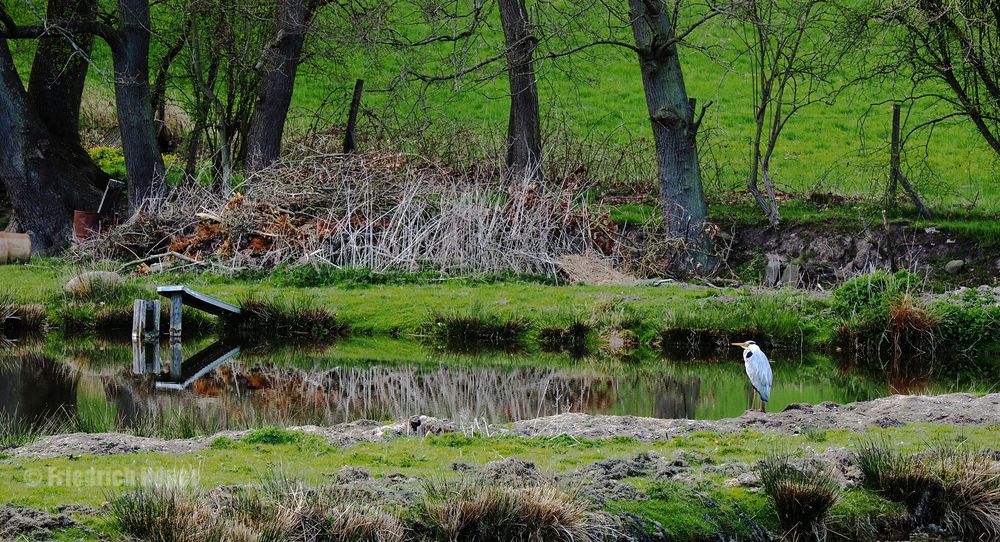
(103, 444)
(956, 409)
(512, 471)
(17, 523)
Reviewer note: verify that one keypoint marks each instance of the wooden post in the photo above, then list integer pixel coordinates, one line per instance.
(176, 312)
(350, 144)
(894, 160)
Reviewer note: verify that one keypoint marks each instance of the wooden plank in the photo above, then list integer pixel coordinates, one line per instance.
(200, 301)
(199, 365)
(138, 320)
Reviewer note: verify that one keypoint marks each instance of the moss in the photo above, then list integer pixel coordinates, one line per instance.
(687, 513)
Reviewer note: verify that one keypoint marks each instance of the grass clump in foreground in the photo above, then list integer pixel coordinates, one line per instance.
(957, 488)
(278, 508)
(275, 320)
(476, 329)
(802, 496)
(275, 509)
(472, 511)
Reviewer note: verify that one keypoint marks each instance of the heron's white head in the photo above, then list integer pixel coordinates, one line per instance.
(749, 345)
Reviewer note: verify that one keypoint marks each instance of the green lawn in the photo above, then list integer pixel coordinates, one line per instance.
(599, 98)
(385, 310)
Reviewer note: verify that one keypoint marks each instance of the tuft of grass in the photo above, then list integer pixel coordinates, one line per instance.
(108, 292)
(275, 509)
(274, 320)
(157, 514)
(476, 329)
(481, 512)
(273, 436)
(573, 337)
(18, 320)
(802, 496)
(946, 485)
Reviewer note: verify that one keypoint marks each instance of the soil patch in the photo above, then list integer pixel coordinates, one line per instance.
(18, 523)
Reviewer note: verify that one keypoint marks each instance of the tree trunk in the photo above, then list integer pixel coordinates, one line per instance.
(683, 201)
(45, 177)
(135, 115)
(524, 139)
(274, 95)
(59, 70)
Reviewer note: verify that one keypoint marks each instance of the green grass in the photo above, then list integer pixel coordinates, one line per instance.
(388, 309)
(599, 97)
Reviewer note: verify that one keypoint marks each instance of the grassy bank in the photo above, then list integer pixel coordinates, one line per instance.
(702, 503)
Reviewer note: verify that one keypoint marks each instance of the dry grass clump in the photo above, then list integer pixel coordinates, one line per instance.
(802, 495)
(378, 211)
(954, 487)
(276, 509)
(475, 512)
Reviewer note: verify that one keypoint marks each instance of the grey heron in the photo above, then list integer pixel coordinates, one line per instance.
(759, 370)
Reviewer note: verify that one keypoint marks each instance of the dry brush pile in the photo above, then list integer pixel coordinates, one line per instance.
(377, 211)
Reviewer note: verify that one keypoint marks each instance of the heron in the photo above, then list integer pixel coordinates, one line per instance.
(759, 370)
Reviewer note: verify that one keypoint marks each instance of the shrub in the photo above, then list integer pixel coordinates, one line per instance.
(802, 496)
(476, 512)
(110, 159)
(869, 296)
(967, 325)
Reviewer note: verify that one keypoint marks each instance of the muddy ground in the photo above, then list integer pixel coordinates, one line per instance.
(955, 409)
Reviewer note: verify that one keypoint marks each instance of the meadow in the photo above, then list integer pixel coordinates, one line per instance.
(594, 110)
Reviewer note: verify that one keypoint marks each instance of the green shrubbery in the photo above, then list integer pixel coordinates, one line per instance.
(870, 296)
(886, 326)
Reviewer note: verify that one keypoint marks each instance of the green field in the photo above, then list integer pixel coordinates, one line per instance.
(597, 97)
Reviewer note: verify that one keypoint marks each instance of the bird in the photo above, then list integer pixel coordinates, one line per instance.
(759, 370)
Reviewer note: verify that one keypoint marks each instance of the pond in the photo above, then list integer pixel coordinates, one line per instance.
(95, 386)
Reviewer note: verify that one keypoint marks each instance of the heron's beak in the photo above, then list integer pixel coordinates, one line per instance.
(741, 345)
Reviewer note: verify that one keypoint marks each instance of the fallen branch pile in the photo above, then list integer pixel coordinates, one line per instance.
(383, 212)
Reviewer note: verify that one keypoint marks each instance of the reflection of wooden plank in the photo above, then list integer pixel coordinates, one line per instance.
(200, 301)
(199, 365)
(145, 357)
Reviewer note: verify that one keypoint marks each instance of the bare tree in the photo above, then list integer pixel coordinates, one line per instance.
(277, 66)
(524, 132)
(951, 51)
(792, 60)
(675, 128)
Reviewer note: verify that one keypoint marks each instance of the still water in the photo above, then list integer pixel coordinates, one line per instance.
(382, 380)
